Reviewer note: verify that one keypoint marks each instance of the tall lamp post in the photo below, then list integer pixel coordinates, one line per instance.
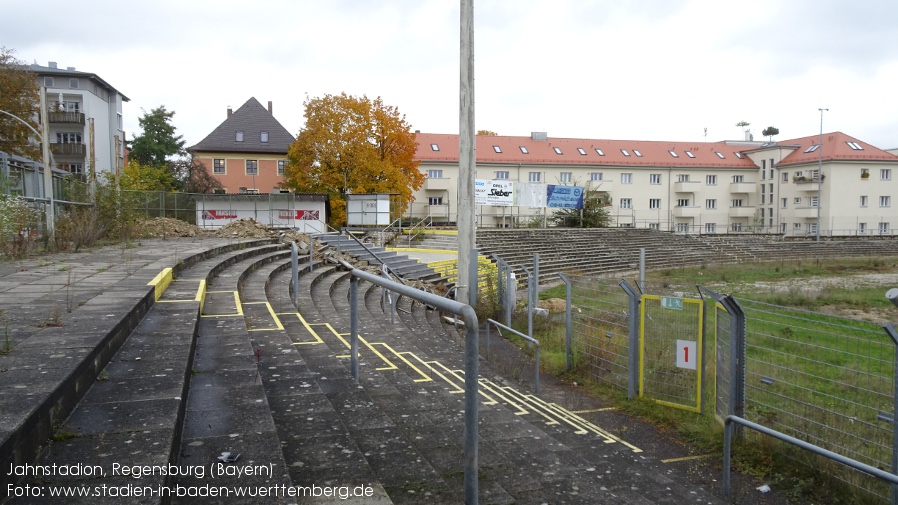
(820, 173)
(46, 156)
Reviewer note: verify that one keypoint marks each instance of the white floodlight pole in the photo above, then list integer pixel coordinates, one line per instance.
(466, 152)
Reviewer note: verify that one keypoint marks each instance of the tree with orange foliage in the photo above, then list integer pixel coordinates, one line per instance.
(19, 96)
(353, 145)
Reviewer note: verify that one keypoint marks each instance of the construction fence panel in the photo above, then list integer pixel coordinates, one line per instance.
(824, 379)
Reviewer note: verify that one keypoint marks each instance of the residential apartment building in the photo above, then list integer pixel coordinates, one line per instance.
(247, 152)
(685, 187)
(85, 120)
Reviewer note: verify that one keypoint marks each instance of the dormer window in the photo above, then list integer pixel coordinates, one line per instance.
(239, 137)
(264, 137)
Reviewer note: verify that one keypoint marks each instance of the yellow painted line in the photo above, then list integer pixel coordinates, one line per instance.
(485, 383)
(161, 282)
(201, 294)
(688, 458)
(535, 406)
(590, 411)
(430, 366)
(277, 320)
(174, 301)
(236, 304)
(424, 376)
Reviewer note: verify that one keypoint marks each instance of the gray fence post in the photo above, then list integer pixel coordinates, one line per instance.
(294, 262)
(510, 290)
(529, 300)
(567, 320)
(500, 281)
(736, 405)
(473, 278)
(890, 331)
(354, 326)
(633, 339)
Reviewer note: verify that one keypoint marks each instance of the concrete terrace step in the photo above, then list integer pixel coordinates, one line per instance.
(401, 264)
(89, 339)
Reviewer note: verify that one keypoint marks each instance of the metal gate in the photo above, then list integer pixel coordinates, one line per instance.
(670, 362)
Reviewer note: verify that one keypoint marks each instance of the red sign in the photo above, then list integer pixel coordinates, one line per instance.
(302, 215)
(219, 214)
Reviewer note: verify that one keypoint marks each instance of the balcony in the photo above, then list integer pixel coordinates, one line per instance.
(806, 212)
(67, 149)
(742, 212)
(686, 186)
(807, 183)
(687, 211)
(67, 117)
(439, 184)
(743, 187)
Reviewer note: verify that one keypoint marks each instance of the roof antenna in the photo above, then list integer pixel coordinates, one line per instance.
(706, 133)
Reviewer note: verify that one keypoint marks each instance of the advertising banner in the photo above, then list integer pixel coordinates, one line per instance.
(219, 214)
(530, 194)
(307, 215)
(564, 197)
(498, 193)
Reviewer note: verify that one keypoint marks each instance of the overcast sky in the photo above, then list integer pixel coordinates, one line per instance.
(613, 69)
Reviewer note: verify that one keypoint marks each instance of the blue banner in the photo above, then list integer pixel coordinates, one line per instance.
(564, 197)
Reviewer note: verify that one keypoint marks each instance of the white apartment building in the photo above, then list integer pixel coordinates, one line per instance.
(85, 120)
(685, 187)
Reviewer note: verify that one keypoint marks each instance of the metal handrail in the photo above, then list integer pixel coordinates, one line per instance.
(429, 222)
(466, 312)
(378, 258)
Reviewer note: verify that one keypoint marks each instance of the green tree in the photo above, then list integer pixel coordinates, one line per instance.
(353, 145)
(19, 96)
(770, 132)
(157, 141)
(140, 177)
(593, 215)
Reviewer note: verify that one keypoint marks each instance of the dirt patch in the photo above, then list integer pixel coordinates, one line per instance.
(553, 305)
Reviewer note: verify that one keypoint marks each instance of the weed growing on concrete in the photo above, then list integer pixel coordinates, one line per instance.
(104, 376)
(6, 346)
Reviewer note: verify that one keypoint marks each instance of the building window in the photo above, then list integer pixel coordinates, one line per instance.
(862, 228)
(68, 138)
(812, 201)
(581, 151)
(736, 203)
(683, 202)
(797, 200)
(683, 178)
(689, 153)
(763, 197)
(796, 226)
(740, 178)
(434, 147)
(720, 155)
(654, 178)
(736, 227)
(282, 165)
(637, 153)
(737, 154)
(785, 177)
(863, 200)
(812, 148)
(595, 176)
(674, 154)
(710, 228)
(711, 180)
(239, 137)
(654, 203)
(855, 146)
(771, 171)
(524, 150)
(252, 167)
(434, 174)
(884, 228)
(865, 173)
(885, 174)
(624, 152)
(48, 82)
(626, 203)
(218, 166)
(885, 201)
(534, 176)
(565, 177)
(435, 200)
(263, 137)
(557, 150)
(711, 203)
(784, 202)
(497, 149)
(73, 83)
(626, 178)
(502, 174)
(682, 227)
(654, 226)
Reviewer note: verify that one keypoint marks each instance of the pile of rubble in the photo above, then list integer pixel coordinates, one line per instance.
(245, 228)
(168, 227)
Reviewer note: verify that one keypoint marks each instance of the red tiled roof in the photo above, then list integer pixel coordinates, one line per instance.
(654, 153)
(835, 147)
(651, 153)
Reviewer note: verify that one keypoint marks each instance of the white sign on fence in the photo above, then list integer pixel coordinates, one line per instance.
(497, 193)
(687, 354)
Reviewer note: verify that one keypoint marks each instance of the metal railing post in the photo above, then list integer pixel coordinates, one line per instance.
(474, 277)
(354, 326)
(528, 338)
(529, 300)
(294, 263)
(890, 331)
(568, 323)
(632, 339)
(311, 253)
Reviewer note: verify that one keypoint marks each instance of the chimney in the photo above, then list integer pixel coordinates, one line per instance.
(539, 136)
(230, 111)
(270, 111)
(52, 64)
(70, 68)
